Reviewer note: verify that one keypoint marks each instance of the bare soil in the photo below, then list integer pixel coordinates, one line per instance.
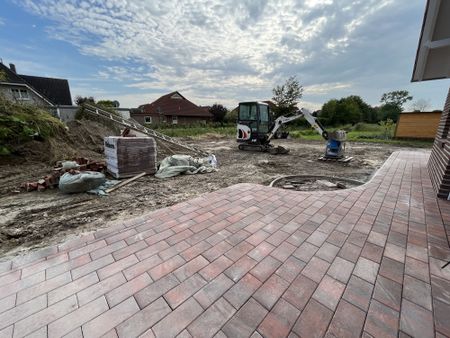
(37, 219)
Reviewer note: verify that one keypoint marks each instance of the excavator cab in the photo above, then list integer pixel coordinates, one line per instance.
(254, 120)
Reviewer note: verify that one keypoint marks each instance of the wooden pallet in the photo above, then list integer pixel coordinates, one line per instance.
(342, 160)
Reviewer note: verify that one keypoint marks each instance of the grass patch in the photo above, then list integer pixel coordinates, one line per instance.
(198, 131)
(363, 132)
(360, 132)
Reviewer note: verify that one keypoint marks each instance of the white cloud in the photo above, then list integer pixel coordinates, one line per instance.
(216, 50)
(325, 88)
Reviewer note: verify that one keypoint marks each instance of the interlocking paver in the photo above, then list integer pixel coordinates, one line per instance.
(341, 269)
(329, 292)
(246, 320)
(143, 320)
(316, 269)
(279, 320)
(183, 291)
(176, 321)
(128, 289)
(388, 292)
(69, 289)
(240, 268)
(366, 269)
(392, 269)
(265, 268)
(34, 322)
(417, 292)
(415, 320)
(348, 321)
(300, 291)
(381, 321)
(22, 311)
(99, 289)
(43, 287)
(313, 321)
(212, 270)
(155, 290)
(441, 322)
(290, 269)
(240, 292)
(251, 261)
(7, 303)
(358, 292)
(77, 318)
(111, 318)
(215, 289)
(210, 321)
(268, 294)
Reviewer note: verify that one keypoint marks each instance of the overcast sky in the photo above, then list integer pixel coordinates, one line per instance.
(219, 51)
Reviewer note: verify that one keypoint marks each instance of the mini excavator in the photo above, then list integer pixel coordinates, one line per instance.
(256, 128)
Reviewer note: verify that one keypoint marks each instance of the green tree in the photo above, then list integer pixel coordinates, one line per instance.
(368, 113)
(390, 111)
(287, 96)
(328, 112)
(232, 116)
(343, 111)
(109, 103)
(218, 112)
(396, 98)
(79, 100)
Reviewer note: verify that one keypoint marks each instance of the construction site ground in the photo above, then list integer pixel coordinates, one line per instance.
(37, 219)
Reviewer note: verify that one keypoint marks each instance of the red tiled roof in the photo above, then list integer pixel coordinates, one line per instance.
(175, 104)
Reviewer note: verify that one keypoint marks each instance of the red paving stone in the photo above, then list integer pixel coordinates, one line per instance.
(250, 261)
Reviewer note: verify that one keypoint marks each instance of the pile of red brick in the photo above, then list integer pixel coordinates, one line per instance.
(52, 180)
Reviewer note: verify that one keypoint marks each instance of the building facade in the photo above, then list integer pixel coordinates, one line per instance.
(171, 109)
(36, 90)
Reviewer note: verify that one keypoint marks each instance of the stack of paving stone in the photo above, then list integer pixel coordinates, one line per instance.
(130, 156)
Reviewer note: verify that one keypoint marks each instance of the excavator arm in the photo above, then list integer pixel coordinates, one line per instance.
(315, 123)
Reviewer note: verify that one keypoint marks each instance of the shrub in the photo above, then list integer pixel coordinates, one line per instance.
(20, 123)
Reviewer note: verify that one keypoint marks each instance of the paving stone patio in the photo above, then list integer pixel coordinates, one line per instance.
(250, 260)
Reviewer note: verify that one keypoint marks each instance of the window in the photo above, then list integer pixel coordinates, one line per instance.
(247, 112)
(164, 119)
(263, 118)
(147, 119)
(264, 113)
(20, 94)
(174, 119)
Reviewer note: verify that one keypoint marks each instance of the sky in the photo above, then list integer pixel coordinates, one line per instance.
(220, 51)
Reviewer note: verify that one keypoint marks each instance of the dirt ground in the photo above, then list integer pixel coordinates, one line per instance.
(37, 219)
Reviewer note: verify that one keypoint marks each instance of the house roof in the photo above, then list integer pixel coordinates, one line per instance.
(433, 53)
(11, 77)
(56, 91)
(175, 104)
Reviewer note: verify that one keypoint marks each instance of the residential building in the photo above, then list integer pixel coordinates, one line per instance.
(37, 90)
(172, 108)
(433, 62)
